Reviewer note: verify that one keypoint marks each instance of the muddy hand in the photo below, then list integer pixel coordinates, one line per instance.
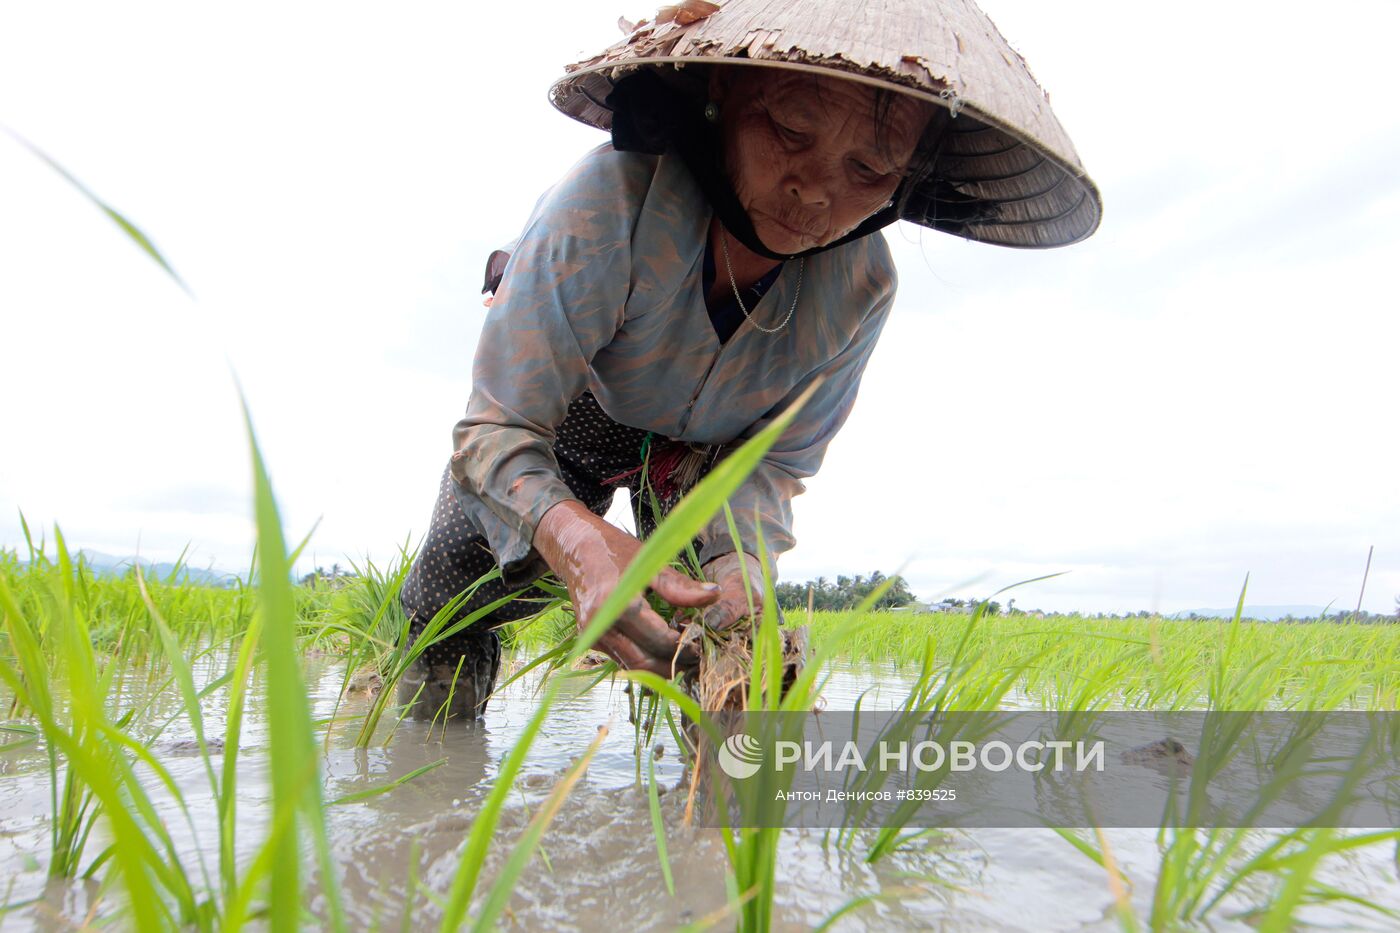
(590, 555)
(733, 604)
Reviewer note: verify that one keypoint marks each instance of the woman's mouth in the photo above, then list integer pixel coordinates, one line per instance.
(797, 233)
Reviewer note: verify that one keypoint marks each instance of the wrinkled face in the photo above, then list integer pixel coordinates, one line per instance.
(804, 152)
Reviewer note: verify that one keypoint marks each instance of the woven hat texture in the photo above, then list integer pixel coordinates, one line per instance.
(1011, 167)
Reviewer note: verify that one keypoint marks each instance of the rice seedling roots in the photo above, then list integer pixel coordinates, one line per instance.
(721, 682)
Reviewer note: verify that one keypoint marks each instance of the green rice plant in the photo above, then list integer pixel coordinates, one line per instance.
(964, 684)
(102, 764)
(366, 623)
(95, 753)
(377, 790)
(1241, 669)
(97, 766)
(100, 780)
(1200, 868)
(646, 710)
(408, 650)
(752, 850)
(658, 828)
(366, 615)
(228, 783)
(1150, 663)
(1098, 647)
(73, 805)
(127, 227)
(296, 791)
(223, 785)
(543, 631)
(58, 660)
(368, 620)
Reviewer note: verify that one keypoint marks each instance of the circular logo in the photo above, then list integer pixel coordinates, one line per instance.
(740, 756)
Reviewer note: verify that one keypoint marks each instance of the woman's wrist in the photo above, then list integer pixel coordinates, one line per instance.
(553, 532)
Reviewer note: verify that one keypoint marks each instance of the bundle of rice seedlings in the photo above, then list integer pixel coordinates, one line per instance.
(721, 682)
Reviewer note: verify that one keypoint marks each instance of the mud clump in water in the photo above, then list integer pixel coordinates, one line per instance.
(181, 748)
(591, 661)
(1164, 754)
(365, 682)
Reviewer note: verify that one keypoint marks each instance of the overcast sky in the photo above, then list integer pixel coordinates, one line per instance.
(1204, 389)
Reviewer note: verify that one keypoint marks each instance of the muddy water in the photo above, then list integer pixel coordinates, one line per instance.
(600, 868)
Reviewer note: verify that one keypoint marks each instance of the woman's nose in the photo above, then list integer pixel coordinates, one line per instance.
(810, 185)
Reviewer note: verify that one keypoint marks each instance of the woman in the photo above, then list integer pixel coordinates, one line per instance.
(681, 286)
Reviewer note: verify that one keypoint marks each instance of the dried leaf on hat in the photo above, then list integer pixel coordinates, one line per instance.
(686, 12)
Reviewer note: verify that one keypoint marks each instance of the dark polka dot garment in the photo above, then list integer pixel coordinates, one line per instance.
(590, 448)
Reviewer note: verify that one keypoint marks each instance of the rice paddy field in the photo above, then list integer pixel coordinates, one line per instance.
(178, 756)
(144, 781)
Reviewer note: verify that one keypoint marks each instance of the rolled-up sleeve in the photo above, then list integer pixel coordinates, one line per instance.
(562, 298)
(799, 450)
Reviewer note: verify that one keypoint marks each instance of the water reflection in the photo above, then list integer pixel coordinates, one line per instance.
(598, 865)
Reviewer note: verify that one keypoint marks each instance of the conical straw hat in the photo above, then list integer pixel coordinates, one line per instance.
(1004, 153)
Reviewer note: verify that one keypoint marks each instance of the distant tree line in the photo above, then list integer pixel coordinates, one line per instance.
(845, 593)
(335, 577)
(1362, 616)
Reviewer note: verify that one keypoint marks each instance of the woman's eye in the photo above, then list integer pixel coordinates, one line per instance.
(868, 174)
(786, 132)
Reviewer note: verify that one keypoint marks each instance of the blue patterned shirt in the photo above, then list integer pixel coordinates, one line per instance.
(605, 292)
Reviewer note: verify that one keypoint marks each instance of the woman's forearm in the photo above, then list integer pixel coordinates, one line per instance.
(566, 534)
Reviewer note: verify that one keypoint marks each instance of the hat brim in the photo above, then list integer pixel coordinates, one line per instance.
(1012, 189)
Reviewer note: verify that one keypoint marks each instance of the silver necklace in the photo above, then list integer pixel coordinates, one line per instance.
(724, 246)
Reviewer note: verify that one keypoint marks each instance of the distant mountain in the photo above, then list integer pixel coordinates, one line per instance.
(111, 565)
(1258, 613)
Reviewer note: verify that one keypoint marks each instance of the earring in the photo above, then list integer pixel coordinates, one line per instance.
(712, 112)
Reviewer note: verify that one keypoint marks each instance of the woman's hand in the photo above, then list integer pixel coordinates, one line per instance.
(733, 603)
(590, 555)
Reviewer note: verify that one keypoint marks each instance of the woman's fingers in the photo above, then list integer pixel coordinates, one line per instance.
(641, 640)
(734, 603)
(631, 658)
(731, 608)
(648, 631)
(679, 590)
